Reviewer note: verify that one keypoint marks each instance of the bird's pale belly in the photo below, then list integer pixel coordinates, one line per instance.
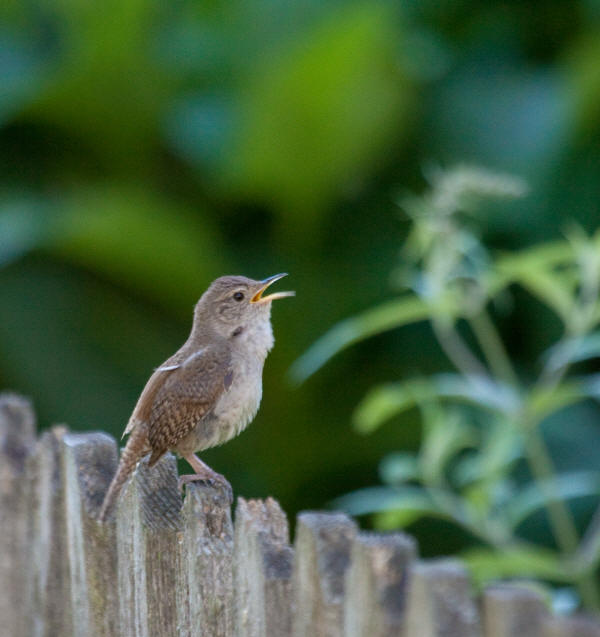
(233, 412)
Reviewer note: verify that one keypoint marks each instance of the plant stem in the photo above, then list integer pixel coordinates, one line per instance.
(493, 347)
(457, 350)
(588, 552)
(551, 376)
(560, 517)
(543, 471)
(456, 510)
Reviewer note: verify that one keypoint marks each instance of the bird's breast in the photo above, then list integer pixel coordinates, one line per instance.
(238, 405)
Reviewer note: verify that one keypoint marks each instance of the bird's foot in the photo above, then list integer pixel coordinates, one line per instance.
(212, 480)
(205, 474)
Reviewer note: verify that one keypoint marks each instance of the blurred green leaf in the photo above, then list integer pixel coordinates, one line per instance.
(574, 350)
(21, 229)
(543, 401)
(318, 113)
(479, 390)
(445, 433)
(106, 90)
(550, 287)
(501, 446)
(397, 468)
(543, 257)
(535, 496)
(384, 402)
(484, 505)
(413, 510)
(21, 72)
(399, 506)
(590, 386)
(374, 321)
(521, 561)
(138, 240)
(582, 75)
(198, 127)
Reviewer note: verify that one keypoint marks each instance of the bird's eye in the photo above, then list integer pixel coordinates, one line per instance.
(238, 296)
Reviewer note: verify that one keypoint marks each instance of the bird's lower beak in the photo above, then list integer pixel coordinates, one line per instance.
(258, 296)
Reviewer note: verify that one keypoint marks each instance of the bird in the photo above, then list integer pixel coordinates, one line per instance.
(210, 389)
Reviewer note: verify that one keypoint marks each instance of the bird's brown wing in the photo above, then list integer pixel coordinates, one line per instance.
(187, 395)
(144, 404)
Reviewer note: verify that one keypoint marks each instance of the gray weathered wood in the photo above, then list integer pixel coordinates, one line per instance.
(149, 551)
(440, 603)
(169, 567)
(376, 584)
(571, 627)
(88, 464)
(17, 443)
(263, 569)
(50, 593)
(510, 610)
(208, 607)
(322, 557)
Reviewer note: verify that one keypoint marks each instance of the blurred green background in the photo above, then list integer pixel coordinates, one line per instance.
(148, 147)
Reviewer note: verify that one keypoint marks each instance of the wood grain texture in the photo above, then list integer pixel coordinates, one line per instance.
(376, 584)
(149, 551)
(510, 610)
(570, 627)
(88, 463)
(209, 607)
(50, 578)
(17, 443)
(169, 566)
(440, 602)
(263, 569)
(321, 560)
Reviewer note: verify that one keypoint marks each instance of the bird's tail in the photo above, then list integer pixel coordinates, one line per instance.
(136, 447)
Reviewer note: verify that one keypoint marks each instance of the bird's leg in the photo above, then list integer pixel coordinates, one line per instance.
(203, 473)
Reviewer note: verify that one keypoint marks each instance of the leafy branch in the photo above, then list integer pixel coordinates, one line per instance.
(482, 420)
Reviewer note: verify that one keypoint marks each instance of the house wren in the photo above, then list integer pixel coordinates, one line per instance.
(210, 389)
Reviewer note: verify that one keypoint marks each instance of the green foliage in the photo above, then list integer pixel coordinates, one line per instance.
(303, 123)
(385, 317)
(481, 423)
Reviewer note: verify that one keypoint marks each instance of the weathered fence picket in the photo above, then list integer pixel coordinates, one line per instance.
(149, 551)
(376, 584)
(510, 610)
(208, 554)
(49, 580)
(263, 570)
(440, 603)
(88, 462)
(570, 627)
(17, 443)
(322, 557)
(172, 564)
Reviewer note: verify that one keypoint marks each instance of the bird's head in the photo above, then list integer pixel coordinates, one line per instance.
(236, 305)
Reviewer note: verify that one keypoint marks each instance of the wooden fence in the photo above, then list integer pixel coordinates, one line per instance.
(168, 565)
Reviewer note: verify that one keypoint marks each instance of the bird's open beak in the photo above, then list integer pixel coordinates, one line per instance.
(259, 298)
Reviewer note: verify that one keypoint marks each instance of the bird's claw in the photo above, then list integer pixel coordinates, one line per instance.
(211, 481)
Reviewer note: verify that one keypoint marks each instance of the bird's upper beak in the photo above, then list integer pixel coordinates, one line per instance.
(258, 296)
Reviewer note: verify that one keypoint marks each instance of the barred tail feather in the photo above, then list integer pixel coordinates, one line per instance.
(136, 447)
